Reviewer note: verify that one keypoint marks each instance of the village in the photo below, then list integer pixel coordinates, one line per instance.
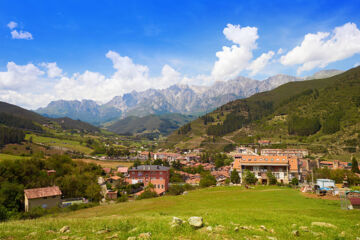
(159, 173)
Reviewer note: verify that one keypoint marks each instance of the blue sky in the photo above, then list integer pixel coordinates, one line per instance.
(184, 35)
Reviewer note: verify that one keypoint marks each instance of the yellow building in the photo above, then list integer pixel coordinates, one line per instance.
(47, 197)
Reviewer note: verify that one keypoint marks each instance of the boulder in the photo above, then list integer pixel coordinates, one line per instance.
(304, 228)
(196, 222)
(323, 224)
(177, 221)
(236, 229)
(263, 228)
(64, 229)
(209, 229)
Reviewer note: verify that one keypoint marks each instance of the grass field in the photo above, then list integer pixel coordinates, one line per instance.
(275, 208)
(11, 157)
(63, 143)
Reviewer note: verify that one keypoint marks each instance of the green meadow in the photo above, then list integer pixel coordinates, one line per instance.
(280, 210)
(4, 156)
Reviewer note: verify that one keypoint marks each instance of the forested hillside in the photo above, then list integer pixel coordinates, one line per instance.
(316, 112)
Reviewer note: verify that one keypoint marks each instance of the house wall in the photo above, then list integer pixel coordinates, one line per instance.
(48, 202)
(154, 177)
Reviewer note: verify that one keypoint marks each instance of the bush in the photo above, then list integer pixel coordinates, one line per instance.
(3, 214)
(271, 178)
(122, 198)
(249, 177)
(207, 180)
(234, 177)
(34, 213)
(147, 194)
(303, 126)
(176, 190)
(294, 181)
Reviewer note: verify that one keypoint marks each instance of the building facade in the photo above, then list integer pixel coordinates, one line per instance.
(282, 167)
(300, 153)
(47, 197)
(159, 176)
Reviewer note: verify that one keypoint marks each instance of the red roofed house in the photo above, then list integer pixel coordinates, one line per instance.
(282, 167)
(159, 176)
(123, 170)
(47, 197)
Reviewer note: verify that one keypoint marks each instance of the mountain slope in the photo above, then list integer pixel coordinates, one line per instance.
(149, 125)
(324, 103)
(12, 114)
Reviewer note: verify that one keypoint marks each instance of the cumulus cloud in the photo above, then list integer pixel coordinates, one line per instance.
(21, 35)
(259, 64)
(322, 48)
(12, 25)
(237, 58)
(53, 70)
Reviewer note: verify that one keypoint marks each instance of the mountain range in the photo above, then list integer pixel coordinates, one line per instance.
(179, 98)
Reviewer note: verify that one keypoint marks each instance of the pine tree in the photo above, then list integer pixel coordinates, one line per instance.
(355, 166)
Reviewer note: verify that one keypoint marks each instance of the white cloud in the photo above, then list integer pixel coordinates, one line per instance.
(280, 51)
(21, 35)
(322, 48)
(259, 64)
(233, 60)
(53, 70)
(12, 25)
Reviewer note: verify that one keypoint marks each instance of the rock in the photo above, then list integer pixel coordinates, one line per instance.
(304, 228)
(317, 234)
(236, 229)
(272, 230)
(323, 224)
(113, 236)
(209, 229)
(196, 222)
(263, 228)
(50, 231)
(145, 236)
(64, 229)
(32, 234)
(219, 228)
(272, 238)
(246, 227)
(131, 238)
(103, 231)
(185, 192)
(296, 233)
(177, 221)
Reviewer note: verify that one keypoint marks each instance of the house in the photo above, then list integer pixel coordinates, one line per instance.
(107, 170)
(300, 153)
(47, 197)
(264, 142)
(170, 157)
(114, 180)
(123, 170)
(51, 172)
(111, 195)
(282, 167)
(145, 155)
(335, 164)
(159, 176)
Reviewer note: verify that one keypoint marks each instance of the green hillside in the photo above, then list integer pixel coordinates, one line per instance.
(17, 117)
(323, 114)
(279, 210)
(151, 125)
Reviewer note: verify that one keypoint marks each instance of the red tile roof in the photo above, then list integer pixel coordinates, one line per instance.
(42, 192)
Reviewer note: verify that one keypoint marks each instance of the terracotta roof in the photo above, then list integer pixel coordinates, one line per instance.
(115, 177)
(42, 192)
(122, 169)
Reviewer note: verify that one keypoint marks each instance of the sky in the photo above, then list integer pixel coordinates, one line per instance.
(76, 50)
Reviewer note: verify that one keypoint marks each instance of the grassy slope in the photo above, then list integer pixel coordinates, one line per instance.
(336, 90)
(63, 143)
(275, 208)
(4, 156)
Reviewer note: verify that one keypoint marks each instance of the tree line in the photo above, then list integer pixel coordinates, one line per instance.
(10, 135)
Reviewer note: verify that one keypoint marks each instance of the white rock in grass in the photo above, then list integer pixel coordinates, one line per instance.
(64, 229)
(131, 238)
(196, 222)
(272, 238)
(323, 224)
(295, 233)
(209, 229)
(304, 228)
(177, 221)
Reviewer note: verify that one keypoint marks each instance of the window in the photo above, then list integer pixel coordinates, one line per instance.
(162, 186)
(158, 185)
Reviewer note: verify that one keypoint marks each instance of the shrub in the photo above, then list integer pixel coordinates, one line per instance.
(249, 177)
(176, 190)
(122, 198)
(303, 126)
(34, 213)
(207, 180)
(234, 177)
(271, 178)
(294, 181)
(3, 213)
(147, 194)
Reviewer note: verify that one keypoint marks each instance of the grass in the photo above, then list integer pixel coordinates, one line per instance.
(62, 143)
(4, 156)
(275, 208)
